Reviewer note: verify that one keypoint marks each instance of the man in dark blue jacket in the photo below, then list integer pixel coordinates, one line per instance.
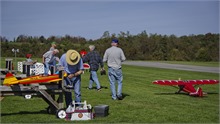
(94, 60)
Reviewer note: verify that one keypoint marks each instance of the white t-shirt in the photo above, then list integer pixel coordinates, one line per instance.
(114, 57)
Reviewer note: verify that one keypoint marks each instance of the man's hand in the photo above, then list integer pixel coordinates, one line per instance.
(71, 75)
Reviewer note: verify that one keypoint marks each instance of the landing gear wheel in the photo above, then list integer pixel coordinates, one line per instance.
(27, 96)
(61, 114)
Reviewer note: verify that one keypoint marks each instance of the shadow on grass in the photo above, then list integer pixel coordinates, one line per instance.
(184, 94)
(171, 93)
(102, 87)
(211, 92)
(124, 95)
(25, 112)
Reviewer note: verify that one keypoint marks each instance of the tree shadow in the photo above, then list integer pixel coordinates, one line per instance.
(24, 112)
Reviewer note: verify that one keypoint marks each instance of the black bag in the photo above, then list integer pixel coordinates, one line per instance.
(103, 72)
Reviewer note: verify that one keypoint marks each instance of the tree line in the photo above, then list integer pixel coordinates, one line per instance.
(143, 46)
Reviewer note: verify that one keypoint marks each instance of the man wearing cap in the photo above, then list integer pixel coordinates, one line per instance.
(114, 56)
(94, 60)
(53, 46)
(29, 60)
(48, 60)
(73, 66)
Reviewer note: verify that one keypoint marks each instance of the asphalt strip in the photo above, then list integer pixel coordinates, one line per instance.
(173, 66)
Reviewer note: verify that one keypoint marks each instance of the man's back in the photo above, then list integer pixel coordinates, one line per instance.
(94, 59)
(114, 56)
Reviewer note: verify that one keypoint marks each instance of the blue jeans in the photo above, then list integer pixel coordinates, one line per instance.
(76, 83)
(94, 78)
(115, 75)
(47, 67)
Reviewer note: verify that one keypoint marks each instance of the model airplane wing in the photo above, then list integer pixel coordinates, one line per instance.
(10, 79)
(184, 82)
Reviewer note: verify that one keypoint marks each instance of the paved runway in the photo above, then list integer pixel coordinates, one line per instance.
(173, 66)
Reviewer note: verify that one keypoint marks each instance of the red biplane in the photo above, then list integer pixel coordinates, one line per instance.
(187, 86)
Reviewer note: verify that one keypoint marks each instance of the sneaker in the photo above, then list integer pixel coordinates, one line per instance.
(114, 99)
(99, 89)
(119, 97)
(69, 86)
(89, 88)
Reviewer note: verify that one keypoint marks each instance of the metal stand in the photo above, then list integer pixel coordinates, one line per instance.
(26, 69)
(9, 64)
(47, 91)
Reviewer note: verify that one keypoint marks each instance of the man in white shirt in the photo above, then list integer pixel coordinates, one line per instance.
(114, 56)
(48, 60)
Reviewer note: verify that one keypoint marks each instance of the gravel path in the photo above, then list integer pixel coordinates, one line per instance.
(173, 66)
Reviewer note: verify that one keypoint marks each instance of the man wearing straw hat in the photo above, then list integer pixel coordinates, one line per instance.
(73, 66)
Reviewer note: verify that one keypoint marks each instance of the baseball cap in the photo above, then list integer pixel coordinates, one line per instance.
(114, 41)
(53, 43)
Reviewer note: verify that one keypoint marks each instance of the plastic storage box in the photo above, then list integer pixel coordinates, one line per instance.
(101, 110)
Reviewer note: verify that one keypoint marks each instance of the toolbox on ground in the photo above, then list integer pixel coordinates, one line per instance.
(101, 110)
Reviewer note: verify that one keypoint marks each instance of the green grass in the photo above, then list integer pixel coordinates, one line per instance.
(144, 102)
(18, 59)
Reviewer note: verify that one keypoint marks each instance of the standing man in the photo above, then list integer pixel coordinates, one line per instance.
(94, 60)
(48, 60)
(73, 66)
(53, 46)
(114, 56)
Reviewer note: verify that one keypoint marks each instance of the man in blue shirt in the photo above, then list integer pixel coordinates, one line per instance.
(73, 66)
(94, 60)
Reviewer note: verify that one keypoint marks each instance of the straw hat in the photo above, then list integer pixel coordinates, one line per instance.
(72, 57)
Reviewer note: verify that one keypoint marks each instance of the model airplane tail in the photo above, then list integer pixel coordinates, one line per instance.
(9, 77)
(198, 92)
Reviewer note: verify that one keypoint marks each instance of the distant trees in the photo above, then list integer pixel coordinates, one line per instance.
(143, 46)
(163, 47)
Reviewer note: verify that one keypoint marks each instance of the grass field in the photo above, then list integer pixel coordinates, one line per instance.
(144, 102)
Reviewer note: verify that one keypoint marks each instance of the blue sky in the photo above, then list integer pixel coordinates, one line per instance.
(90, 19)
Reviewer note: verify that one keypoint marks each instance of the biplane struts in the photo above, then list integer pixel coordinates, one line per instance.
(187, 86)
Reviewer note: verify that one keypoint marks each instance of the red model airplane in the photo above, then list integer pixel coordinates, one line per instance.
(86, 66)
(187, 85)
(10, 79)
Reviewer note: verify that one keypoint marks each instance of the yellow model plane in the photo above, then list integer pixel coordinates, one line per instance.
(10, 79)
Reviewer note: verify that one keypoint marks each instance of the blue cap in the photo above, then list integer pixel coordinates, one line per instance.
(114, 41)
